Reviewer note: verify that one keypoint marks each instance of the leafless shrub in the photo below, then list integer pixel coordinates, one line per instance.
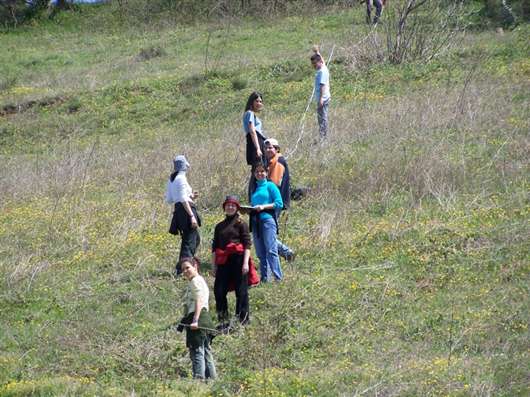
(421, 29)
(410, 30)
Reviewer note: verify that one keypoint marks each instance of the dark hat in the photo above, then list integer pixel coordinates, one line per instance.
(232, 199)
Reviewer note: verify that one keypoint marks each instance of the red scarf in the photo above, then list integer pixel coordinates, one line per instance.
(221, 256)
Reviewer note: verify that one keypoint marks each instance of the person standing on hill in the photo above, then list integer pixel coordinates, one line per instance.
(231, 257)
(198, 323)
(255, 138)
(322, 92)
(378, 4)
(279, 174)
(266, 200)
(185, 220)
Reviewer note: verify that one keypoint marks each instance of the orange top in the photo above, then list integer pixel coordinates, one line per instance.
(276, 170)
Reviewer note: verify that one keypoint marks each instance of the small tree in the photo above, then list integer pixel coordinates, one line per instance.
(420, 29)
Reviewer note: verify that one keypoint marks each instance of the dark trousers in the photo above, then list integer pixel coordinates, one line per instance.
(378, 9)
(188, 245)
(230, 273)
(251, 185)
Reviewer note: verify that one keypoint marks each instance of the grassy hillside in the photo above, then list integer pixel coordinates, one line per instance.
(412, 271)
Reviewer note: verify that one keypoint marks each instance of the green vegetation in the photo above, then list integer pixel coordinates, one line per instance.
(412, 271)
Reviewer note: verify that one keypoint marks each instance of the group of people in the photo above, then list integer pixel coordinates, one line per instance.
(269, 194)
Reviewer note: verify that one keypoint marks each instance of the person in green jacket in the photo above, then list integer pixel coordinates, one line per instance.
(198, 323)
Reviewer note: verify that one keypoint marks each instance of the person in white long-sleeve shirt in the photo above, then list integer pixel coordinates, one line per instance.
(186, 220)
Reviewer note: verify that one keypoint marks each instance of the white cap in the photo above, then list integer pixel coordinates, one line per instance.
(272, 141)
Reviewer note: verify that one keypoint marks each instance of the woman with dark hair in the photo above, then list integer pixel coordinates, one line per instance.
(231, 257)
(254, 135)
(185, 220)
(266, 201)
(253, 129)
(197, 321)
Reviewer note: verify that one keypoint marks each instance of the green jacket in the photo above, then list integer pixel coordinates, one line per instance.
(195, 338)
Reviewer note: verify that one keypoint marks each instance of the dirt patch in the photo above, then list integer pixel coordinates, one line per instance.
(150, 53)
(24, 106)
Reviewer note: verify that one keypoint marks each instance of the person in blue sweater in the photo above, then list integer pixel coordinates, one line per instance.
(266, 201)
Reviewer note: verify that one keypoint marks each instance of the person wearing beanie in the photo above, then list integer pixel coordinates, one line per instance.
(185, 220)
(231, 257)
(266, 200)
(232, 263)
(279, 174)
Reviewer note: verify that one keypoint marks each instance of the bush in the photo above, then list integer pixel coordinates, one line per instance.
(506, 13)
(412, 30)
(239, 83)
(15, 12)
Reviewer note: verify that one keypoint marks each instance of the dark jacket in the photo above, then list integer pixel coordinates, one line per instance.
(285, 187)
(231, 230)
(195, 337)
(181, 222)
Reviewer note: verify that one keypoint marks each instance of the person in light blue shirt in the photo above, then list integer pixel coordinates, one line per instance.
(266, 201)
(322, 93)
(255, 137)
(253, 129)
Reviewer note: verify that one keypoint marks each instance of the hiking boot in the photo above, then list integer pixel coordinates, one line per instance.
(290, 257)
(244, 320)
(223, 328)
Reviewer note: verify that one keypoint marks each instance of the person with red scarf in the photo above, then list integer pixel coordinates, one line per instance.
(232, 263)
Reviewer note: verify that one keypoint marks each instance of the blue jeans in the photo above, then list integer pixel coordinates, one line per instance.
(202, 365)
(322, 117)
(283, 250)
(267, 249)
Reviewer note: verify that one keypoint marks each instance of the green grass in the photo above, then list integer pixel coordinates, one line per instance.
(413, 259)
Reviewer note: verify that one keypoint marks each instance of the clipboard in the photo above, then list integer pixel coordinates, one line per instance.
(246, 209)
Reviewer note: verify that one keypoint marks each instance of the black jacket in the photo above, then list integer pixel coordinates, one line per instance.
(181, 222)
